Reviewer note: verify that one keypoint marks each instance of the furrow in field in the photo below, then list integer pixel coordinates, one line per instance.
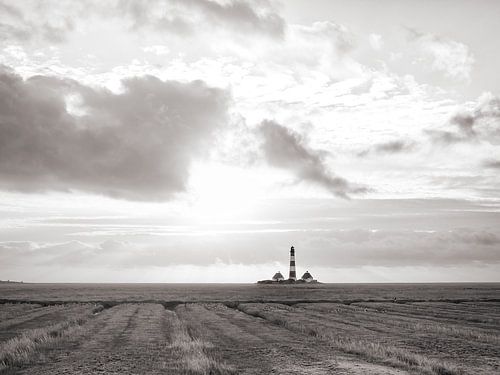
(386, 348)
(399, 324)
(129, 339)
(486, 308)
(28, 316)
(337, 324)
(15, 310)
(489, 313)
(475, 347)
(436, 314)
(39, 318)
(488, 305)
(124, 339)
(454, 308)
(254, 346)
(79, 352)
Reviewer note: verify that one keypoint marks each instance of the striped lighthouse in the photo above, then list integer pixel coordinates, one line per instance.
(293, 275)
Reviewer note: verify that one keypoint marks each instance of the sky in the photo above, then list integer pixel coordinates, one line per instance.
(197, 140)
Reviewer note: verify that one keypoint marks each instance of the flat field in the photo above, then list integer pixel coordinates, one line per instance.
(249, 329)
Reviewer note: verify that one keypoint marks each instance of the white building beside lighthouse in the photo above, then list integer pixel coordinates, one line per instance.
(278, 277)
(307, 277)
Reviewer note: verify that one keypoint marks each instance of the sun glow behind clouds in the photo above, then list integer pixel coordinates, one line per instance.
(222, 192)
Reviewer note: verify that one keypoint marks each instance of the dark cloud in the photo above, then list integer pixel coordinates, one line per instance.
(480, 124)
(283, 148)
(491, 163)
(138, 144)
(445, 137)
(240, 15)
(53, 20)
(186, 16)
(394, 146)
(391, 147)
(465, 123)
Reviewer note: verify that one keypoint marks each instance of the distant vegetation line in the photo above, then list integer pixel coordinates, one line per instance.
(171, 304)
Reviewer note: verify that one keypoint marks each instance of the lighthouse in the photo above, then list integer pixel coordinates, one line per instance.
(293, 275)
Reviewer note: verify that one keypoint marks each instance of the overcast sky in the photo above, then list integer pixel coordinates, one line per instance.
(197, 140)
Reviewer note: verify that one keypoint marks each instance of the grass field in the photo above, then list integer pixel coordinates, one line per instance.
(250, 329)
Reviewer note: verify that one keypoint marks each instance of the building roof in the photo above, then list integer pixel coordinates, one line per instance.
(307, 275)
(277, 276)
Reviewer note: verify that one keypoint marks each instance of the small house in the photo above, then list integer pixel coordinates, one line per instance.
(278, 277)
(307, 277)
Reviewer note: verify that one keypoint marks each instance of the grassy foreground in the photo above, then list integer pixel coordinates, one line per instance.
(20, 350)
(224, 330)
(194, 351)
(391, 355)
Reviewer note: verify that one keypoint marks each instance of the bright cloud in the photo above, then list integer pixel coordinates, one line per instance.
(450, 57)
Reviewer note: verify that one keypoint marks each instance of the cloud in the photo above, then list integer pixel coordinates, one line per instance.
(391, 147)
(321, 47)
(334, 248)
(376, 41)
(241, 15)
(491, 163)
(186, 16)
(26, 21)
(445, 55)
(158, 50)
(284, 148)
(480, 124)
(57, 134)
(53, 20)
(402, 248)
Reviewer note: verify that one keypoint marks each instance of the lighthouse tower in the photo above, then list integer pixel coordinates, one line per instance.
(293, 275)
